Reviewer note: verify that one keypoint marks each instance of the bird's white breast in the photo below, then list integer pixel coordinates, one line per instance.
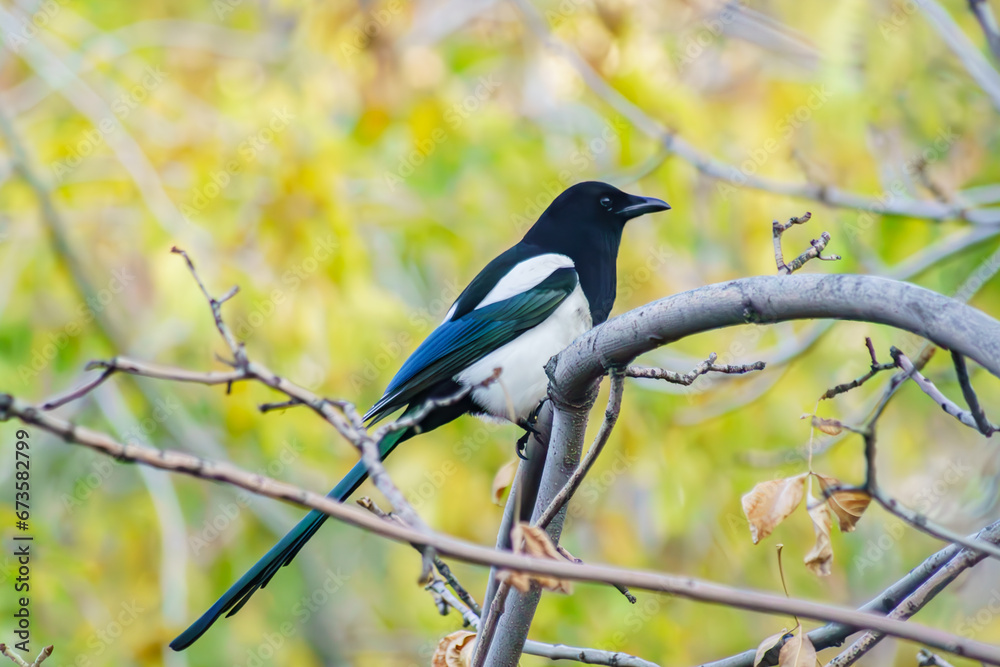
(522, 361)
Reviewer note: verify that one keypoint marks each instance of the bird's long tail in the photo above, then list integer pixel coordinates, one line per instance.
(281, 553)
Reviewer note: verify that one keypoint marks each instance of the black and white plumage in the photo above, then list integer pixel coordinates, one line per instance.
(525, 306)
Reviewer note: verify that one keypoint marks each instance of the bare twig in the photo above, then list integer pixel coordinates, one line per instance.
(686, 379)
(87, 387)
(978, 414)
(19, 661)
(874, 370)
(988, 22)
(817, 246)
(489, 629)
(610, 419)
(686, 587)
(946, 404)
(927, 659)
(279, 405)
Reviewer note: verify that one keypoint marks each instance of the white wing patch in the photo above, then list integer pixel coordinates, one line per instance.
(524, 276)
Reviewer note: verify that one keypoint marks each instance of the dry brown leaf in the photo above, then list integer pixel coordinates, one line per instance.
(769, 503)
(455, 650)
(820, 557)
(847, 505)
(798, 651)
(502, 480)
(828, 426)
(767, 645)
(533, 541)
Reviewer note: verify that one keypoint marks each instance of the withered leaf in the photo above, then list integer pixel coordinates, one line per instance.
(769, 503)
(767, 645)
(820, 557)
(455, 650)
(533, 541)
(847, 505)
(828, 426)
(502, 480)
(798, 651)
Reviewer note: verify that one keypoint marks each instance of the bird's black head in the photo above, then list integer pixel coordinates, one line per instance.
(585, 223)
(594, 206)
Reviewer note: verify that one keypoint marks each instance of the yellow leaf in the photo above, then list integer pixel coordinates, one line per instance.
(769, 503)
(455, 650)
(502, 480)
(798, 651)
(533, 541)
(820, 556)
(847, 505)
(767, 645)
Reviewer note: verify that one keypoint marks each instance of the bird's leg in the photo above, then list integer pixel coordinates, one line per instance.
(529, 429)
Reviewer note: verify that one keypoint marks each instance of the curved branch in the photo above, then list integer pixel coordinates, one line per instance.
(574, 372)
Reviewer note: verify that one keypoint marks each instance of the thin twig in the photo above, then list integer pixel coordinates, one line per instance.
(686, 379)
(88, 387)
(946, 404)
(978, 414)
(45, 653)
(988, 22)
(927, 659)
(610, 419)
(681, 586)
(489, 629)
(874, 370)
(817, 246)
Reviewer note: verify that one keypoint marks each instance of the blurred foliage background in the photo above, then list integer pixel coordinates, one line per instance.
(351, 166)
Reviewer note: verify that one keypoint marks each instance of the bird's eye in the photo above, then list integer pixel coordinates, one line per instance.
(606, 202)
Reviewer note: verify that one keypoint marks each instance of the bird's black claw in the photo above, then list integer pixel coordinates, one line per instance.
(522, 444)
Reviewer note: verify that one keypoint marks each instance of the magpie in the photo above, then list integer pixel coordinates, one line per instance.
(524, 307)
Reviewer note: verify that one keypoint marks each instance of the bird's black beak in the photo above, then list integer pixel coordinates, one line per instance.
(637, 206)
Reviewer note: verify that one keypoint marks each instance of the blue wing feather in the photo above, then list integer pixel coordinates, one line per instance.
(461, 341)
